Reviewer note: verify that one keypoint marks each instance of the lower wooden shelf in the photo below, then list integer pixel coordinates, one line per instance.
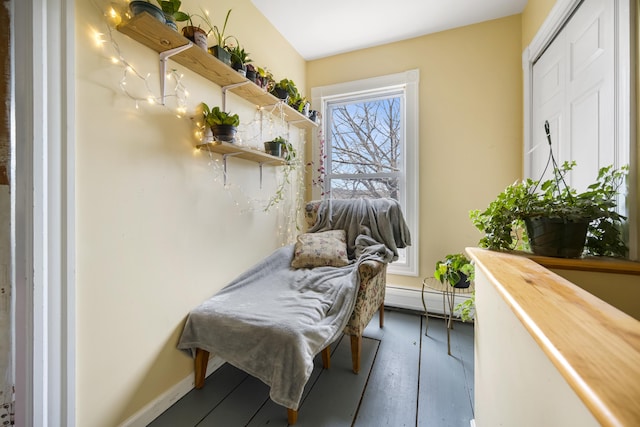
(231, 150)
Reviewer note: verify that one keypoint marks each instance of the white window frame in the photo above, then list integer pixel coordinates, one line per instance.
(408, 80)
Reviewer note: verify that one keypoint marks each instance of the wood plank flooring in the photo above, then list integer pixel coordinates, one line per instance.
(406, 379)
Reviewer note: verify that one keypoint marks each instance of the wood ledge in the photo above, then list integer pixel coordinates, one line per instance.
(593, 345)
(595, 264)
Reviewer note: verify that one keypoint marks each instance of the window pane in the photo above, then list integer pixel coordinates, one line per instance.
(365, 136)
(370, 188)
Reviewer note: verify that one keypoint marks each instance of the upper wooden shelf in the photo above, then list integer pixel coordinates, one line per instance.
(147, 30)
(226, 148)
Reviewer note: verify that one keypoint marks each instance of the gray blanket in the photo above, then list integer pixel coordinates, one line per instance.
(273, 319)
(367, 222)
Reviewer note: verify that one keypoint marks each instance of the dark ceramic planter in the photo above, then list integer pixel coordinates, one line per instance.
(556, 237)
(222, 54)
(273, 148)
(462, 283)
(280, 93)
(226, 133)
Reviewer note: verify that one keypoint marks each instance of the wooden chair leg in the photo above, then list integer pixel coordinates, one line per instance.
(326, 357)
(381, 314)
(292, 416)
(201, 361)
(356, 346)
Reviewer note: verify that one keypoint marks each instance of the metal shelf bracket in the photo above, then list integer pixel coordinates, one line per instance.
(229, 87)
(163, 65)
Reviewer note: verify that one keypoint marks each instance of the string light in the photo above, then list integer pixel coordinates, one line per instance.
(289, 179)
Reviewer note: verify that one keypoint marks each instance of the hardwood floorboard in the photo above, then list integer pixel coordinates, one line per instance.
(274, 415)
(443, 399)
(462, 336)
(406, 379)
(195, 405)
(390, 396)
(336, 395)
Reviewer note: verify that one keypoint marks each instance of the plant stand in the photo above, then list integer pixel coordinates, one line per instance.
(448, 301)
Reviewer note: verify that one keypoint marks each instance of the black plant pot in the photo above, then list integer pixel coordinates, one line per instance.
(462, 283)
(252, 75)
(222, 54)
(273, 148)
(313, 115)
(556, 237)
(280, 93)
(226, 133)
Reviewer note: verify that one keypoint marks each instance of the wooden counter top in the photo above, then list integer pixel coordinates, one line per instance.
(594, 346)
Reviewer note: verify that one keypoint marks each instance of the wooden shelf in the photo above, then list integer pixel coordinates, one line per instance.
(228, 149)
(147, 30)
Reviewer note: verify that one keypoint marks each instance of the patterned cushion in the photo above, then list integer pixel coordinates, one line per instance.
(327, 248)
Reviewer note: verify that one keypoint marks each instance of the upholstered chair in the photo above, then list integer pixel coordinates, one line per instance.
(370, 298)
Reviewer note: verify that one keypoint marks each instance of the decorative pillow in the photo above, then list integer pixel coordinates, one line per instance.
(326, 248)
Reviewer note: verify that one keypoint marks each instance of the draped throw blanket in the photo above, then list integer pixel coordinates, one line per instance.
(273, 319)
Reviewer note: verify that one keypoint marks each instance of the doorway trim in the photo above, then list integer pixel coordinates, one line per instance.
(43, 210)
(625, 108)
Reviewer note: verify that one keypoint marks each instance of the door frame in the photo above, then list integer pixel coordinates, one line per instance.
(624, 89)
(43, 210)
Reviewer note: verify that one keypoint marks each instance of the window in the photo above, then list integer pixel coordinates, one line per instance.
(370, 130)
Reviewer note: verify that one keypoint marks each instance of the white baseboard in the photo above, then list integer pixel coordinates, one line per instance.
(411, 299)
(163, 402)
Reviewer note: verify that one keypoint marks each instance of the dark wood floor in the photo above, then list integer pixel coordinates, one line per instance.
(406, 379)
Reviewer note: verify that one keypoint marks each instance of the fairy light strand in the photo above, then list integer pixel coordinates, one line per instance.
(289, 179)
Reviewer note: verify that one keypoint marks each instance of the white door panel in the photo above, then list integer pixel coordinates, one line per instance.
(573, 89)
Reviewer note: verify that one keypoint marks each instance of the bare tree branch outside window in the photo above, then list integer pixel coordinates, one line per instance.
(365, 149)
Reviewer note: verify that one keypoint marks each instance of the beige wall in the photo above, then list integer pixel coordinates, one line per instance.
(533, 16)
(155, 234)
(470, 127)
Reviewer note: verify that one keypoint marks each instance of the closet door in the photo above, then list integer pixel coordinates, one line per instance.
(574, 90)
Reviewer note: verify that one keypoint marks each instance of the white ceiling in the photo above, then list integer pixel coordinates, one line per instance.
(327, 27)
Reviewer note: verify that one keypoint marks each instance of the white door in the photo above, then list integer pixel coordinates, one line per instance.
(574, 90)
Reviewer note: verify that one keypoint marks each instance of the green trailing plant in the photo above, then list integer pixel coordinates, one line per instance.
(453, 268)
(467, 308)
(502, 220)
(216, 117)
(291, 167)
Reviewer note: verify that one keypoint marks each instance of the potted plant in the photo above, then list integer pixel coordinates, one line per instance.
(285, 89)
(239, 59)
(219, 49)
(275, 146)
(455, 269)
(589, 219)
(139, 6)
(196, 33)
(251, 73)
(265, 77)
(172, 13)
(223, 124)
